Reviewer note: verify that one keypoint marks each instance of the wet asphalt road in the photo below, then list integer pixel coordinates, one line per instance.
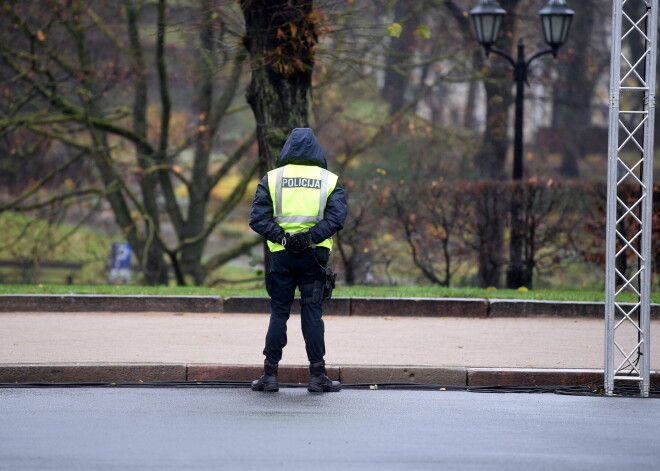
(190, 428)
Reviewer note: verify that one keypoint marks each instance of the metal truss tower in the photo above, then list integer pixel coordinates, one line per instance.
(630, 193)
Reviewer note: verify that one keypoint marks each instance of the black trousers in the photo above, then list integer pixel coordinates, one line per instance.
(287, 272)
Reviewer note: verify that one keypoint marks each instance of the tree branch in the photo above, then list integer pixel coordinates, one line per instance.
(76, 113)
(225, 209)
(56, 198)
(235, 157)
(166, 103)
(221, 106)
(33, 189)
(166, 110)
(241, 248)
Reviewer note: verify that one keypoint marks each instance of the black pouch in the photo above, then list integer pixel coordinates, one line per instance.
(329, 278)
(322, 255)
(320, 289)
(317, 293)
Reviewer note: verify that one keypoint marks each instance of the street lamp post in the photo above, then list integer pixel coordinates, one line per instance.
(487, 18)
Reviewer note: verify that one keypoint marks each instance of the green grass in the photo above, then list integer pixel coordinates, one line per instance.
(27, 238)
(344, 291)
(126, 290)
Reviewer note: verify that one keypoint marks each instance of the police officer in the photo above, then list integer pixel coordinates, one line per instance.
(298, 207)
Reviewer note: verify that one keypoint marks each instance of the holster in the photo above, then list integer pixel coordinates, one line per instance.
(321, 289)
(329, 278)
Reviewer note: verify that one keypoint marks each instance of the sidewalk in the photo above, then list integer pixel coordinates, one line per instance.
(162, 346)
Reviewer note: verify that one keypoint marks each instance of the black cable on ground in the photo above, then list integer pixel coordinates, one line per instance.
(590, 389)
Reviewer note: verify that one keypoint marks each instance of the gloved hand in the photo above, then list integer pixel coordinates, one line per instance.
(305, 239)
(297, 242)
(292, 243)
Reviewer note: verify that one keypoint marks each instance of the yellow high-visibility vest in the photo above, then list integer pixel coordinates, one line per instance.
(299, 194)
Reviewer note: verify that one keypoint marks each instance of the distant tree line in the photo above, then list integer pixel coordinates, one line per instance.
(445, 230)
(166, 113)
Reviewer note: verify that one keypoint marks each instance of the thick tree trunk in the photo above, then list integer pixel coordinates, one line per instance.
(498, 83)
(574, 91)
(280, 37)
(490, 212)
(465, 27)
(199, 190)
(154, 267)
(399, 53)
(491, 158)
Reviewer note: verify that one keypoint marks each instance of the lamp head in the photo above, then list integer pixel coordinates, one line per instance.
(556, 20)
(487, 19)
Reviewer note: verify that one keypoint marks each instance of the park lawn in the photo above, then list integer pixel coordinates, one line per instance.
(25, 238)
(341, 291)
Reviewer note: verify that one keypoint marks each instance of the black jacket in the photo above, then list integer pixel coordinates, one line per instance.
(301, 148)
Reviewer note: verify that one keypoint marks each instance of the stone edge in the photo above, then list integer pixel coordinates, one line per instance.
(341, 306)
(109, 303)
(347, 374)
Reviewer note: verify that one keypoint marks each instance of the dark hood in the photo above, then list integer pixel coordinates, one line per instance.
(302, 148)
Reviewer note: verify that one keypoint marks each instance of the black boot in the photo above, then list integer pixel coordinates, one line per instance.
(319, 381)
(268, 380)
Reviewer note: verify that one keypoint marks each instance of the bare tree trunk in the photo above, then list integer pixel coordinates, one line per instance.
(463, 21)
(154, 266)
(400, 51)
(490, 221)
(490, 159)
(574, 90)
(280, 38)
(199, 190)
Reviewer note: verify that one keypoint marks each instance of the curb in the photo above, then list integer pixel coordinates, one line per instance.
(108, 303)
(340, 306)
(91, 372)
(348, 374)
